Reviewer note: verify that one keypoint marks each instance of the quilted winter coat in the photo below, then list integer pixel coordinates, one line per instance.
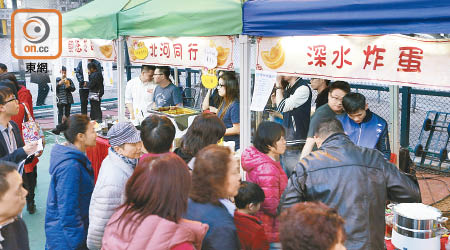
(153, 233)
(108, 195)
(69, 195)
(268, 174)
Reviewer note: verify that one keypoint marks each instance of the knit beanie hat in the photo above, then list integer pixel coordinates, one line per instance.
(123, 132)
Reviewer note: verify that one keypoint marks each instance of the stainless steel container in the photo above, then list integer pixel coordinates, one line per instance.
(412, 233)
(178, 114)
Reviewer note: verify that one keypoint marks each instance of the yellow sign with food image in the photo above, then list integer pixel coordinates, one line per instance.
(99, 49)
(184, 52)
(106, 50)
(209, 79)
(275, 57)
(222, 53)
(138, 50)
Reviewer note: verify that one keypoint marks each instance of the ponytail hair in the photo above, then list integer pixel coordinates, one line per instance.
(73, 125)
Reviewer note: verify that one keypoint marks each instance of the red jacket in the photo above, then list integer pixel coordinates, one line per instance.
(269, 175)
(24, 97)
(250, 232)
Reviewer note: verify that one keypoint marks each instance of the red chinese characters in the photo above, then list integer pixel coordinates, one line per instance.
(192, 51)
(78, 48)
(339, 54)
(378, 57)
(153, 49)
(320, 54)
(410, 59)
(165, 50)
(70, 46)
(178, 50)
(85, 43)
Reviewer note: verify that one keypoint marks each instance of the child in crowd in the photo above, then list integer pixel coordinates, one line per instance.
(157, 134)
(249, 228)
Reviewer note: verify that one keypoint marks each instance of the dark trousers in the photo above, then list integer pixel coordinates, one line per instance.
(29, 183)
(84, 94)
(96, 112)
(63, 109)
(290, 158)
(43, 90)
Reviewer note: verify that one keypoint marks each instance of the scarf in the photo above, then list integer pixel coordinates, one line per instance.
(128, 161)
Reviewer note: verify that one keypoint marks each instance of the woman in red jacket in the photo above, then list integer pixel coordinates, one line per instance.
(263, 168)
(30, 173)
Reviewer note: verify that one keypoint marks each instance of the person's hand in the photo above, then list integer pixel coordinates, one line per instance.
(38, 154)
(150, 91)
(85, 84)
(278, 82)
(30, 147)
(273, 98)
(212, 109)
(67, 83)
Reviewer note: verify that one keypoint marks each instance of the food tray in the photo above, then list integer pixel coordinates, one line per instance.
(175, 112)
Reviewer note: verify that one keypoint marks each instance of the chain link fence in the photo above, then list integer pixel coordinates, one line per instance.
(423, 101)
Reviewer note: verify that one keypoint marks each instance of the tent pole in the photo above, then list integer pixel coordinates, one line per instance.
(121, 80)
(405, 117)
(394, 121)
(176, 77)
(245, 91)
(56, 69)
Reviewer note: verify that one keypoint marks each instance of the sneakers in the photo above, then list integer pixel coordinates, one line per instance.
(31, 207)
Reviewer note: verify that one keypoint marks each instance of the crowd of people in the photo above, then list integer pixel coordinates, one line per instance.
(311, 182)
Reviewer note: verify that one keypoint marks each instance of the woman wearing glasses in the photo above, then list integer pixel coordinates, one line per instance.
(228, 110)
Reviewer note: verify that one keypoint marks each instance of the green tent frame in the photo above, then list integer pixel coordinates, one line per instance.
(105, 19)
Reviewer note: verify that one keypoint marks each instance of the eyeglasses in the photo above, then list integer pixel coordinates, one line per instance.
(220, 85)
(14, 99)
(158, 74)
(337, 98)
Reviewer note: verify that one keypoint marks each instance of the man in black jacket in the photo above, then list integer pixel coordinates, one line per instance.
(356, 181)
(83, 84)
(96, 91)
(13, 231)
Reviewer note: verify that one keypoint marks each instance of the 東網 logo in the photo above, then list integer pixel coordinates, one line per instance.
(36, 34)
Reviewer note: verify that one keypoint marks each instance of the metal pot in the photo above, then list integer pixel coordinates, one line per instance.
(413, 233)
(421, 229)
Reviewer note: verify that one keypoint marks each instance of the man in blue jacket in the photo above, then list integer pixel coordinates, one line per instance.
(365, 128)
